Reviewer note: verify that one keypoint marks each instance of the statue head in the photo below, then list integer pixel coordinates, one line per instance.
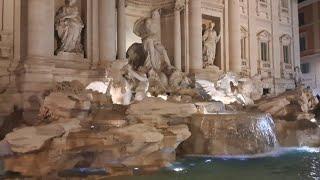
(212, 25)
(70, 2)
(148, 23)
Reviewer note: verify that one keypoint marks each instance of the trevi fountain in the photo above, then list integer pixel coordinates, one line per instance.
(154, 89)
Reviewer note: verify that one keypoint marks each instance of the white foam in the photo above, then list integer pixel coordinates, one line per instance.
(276, 153)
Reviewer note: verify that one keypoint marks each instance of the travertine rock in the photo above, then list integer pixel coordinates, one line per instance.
(66, 100)
(159, 112)
(211, 107)
(275, 107)
(140, 133)
(106, 140)
(181, 131)
(298, 133)
(30, 139)
(251, 87)
(65, 105)
(292, 105)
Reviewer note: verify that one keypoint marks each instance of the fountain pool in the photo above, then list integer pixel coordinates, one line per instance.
(283, 164)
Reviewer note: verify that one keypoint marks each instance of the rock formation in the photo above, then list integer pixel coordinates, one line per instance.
(295, 122)
(146, 135)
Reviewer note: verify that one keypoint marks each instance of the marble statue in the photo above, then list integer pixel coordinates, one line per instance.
(69, 26)
(156, 64)
(227, 90)
(210, 40)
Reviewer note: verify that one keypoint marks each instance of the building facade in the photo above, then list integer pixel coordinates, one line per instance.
(309, 18)
(257, 37)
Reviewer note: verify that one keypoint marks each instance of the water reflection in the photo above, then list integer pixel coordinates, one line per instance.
(289, 163)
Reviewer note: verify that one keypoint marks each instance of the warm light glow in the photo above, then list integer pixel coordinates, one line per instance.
(178, 169)
(313, 120)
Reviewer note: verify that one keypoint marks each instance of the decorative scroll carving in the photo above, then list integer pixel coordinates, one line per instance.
(264, 9)
(6, 44)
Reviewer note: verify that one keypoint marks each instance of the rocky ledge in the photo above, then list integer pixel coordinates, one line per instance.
(74, 132)
(78, 128)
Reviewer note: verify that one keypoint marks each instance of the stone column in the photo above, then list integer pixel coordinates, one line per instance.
(107, 31)
(186, 37)
(275, 48)
(40, 28)
(195, 37)
(177, 39)
(121, 34)
(252, 29)
(295, 30)
(234, 36)
(316, 27)
(36, 74)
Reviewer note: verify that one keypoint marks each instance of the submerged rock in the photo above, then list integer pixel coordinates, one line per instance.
(231, 134)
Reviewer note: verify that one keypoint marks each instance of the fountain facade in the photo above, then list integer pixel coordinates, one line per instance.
(122, 89)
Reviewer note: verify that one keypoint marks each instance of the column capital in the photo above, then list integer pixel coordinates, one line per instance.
(121, 2)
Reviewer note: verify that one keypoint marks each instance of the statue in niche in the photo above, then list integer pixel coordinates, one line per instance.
(157, 63)
(150, 57)
(69, 26)
(210, 40)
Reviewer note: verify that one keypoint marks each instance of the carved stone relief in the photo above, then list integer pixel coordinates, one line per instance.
(244, 7)
(264, 9)
(6, 44)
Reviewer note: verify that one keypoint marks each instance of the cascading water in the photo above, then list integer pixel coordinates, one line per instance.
(231, 134)
(265, 127)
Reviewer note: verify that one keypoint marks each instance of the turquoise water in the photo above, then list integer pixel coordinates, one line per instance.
(285, 164)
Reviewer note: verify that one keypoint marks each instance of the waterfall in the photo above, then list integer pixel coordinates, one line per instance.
(231, 134)
(265, 126)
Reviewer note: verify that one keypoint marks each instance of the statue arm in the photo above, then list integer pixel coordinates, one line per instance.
(137, 76)
(205, 36)
(218, 38)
